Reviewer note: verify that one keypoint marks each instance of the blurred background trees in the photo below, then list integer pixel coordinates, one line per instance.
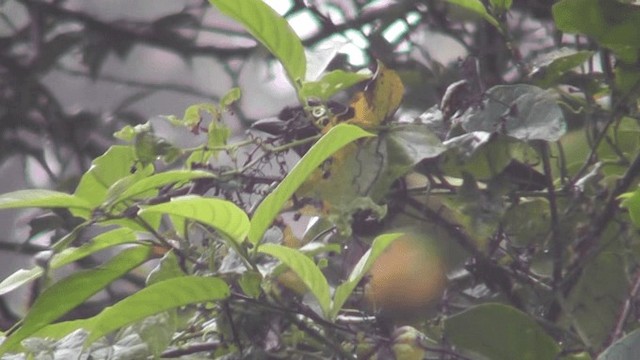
(75, 71)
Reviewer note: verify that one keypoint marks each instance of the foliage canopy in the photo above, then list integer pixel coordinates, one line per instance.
(521, 197)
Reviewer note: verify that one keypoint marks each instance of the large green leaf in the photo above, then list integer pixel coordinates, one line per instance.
(405, 146)
(268, 209)
(62, 329)
(524, 112)
(501, 6)
(623, 140)
(331, 83)
(161, 179)
(272, 30)
(115, 164)
(359, 176)
(306, 270)
(154, 299)
(527, 223)
(108, 239)
(632, 203)
(72, 291)
(626, 348)
(613, 24)
(594, 302)
(222, 215)
(42, 199)
(479, 153)
(476, 7)
(344, 290)
(549, 71)
(500, 332)
(168, 268)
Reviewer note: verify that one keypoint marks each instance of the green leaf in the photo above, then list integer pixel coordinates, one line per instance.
(115, 164)
(527, 222)
(61, 329)
(250, 282)
(331, 142)
(331, 83)
(594, 302)
(67, 256)
(500, 332)
(230, 97)
(162, 296)
(549, 71)
(72, 291)
(168, 268)
(222, 215)
(476, 7)
(128, 133)
(218, 134)
(405, 146)
(158, 180)
(272, 30)
(613, 24)
(500, 6)
(524, 112)
(115, 191)
(306, 270)
(626, 348)
(42, 199)
(344, 290)
(193, 115)
(149, 147)
(632, 203)
(481, 154)
(155, 331)
(627, 81)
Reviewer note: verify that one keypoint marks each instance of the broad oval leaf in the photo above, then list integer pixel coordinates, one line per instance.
(524, 112)
(272, 30)
(42, 199)
(344, 290)
(156, 298)
(626, 348)
(336, 138)
(615, 25)
(220, 214)
(69, 255)
(306, 270)
(406, 146)
(77, 288)
(597, 297)
(479, 153)
(513, 334)
(549, 70)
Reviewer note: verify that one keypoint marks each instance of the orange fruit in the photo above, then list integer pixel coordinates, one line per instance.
(406, 278)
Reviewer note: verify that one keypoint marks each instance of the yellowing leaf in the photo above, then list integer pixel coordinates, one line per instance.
(354, 171)
(379, 100)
